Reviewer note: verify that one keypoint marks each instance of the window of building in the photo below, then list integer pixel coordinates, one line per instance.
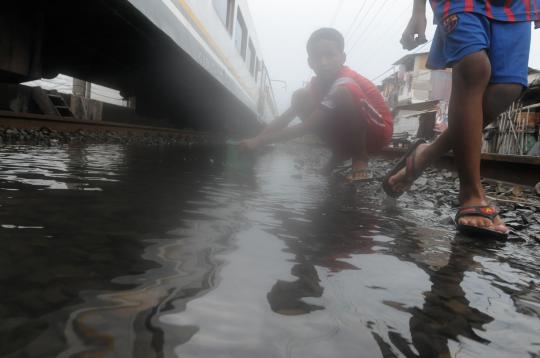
(240, 35)
(251, 57)
(225, 11)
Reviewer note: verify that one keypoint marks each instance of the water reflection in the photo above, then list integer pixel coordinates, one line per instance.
(446, 313)
(325, 238)
(173, 254)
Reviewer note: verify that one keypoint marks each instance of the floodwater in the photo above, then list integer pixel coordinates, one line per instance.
(107, 251)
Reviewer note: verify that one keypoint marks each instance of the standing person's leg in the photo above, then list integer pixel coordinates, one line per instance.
(457, 36)
(508, 62)
(508, 45)
(470, 80)
(509, 57)
(498, 98)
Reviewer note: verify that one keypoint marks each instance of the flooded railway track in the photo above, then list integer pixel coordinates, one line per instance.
(517, 169)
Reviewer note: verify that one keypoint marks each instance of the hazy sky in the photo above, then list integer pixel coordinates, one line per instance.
(372, 42)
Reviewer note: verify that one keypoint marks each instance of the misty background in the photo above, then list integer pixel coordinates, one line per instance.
(372, 30)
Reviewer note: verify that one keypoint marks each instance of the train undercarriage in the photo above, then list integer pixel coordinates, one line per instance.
(109, 42)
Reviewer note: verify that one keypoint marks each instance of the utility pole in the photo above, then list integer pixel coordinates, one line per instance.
(82, 88)
(131, 102)
(82, 92)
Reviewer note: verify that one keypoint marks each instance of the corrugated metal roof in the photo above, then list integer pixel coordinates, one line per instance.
(408, 57)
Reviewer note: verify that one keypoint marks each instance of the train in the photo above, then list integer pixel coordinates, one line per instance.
(198, 63)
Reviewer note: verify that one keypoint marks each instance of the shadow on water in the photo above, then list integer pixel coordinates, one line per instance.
(112, 251)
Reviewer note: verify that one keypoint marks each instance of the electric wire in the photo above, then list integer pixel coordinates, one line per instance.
(363, 34)
(351, 27)
(362, 20)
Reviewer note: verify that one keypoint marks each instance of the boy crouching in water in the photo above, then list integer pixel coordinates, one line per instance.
(343, 108)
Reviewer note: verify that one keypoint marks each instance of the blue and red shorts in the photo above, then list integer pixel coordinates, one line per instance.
(506, 43)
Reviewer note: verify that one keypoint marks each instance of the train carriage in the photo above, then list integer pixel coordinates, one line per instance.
(197, 62)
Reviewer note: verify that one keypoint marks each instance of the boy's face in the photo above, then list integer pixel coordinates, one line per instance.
(326, 59)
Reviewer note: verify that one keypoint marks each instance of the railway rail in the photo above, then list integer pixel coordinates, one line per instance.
(517, 169)
(63, 124)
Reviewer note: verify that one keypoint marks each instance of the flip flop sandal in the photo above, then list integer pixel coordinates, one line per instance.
(366, 176)
(489, 212)
(409, 162)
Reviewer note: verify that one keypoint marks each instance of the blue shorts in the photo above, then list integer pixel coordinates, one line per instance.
(506, 43)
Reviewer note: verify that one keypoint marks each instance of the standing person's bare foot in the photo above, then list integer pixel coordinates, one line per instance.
(403, 179)
(407, 170)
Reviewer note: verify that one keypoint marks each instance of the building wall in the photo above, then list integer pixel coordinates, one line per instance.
(419, 85)
(441, 85)
(420, 62)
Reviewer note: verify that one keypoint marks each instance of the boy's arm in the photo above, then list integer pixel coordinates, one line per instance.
(277, 125)
(301, 103)
(299, 130)
(280, 122)
(415, 32)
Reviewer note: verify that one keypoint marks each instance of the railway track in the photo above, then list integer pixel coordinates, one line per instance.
(522, 170)
(517, 169)
(70, 124)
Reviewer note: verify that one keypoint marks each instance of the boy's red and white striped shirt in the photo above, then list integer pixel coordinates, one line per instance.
(500, 10)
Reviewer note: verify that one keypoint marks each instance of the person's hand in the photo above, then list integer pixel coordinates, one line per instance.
(415, 32)
(250, 144)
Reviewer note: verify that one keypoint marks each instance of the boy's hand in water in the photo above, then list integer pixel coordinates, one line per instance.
(415, 32)
(250, 144)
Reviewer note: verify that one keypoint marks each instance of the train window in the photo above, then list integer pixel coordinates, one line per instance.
(240, 37)
(257, 69)
(251, 57)
(225, 11)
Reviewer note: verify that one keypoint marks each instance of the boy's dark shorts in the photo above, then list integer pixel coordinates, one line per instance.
(506, 43)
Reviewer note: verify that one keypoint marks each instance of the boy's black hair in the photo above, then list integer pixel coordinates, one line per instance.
(326, 33)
